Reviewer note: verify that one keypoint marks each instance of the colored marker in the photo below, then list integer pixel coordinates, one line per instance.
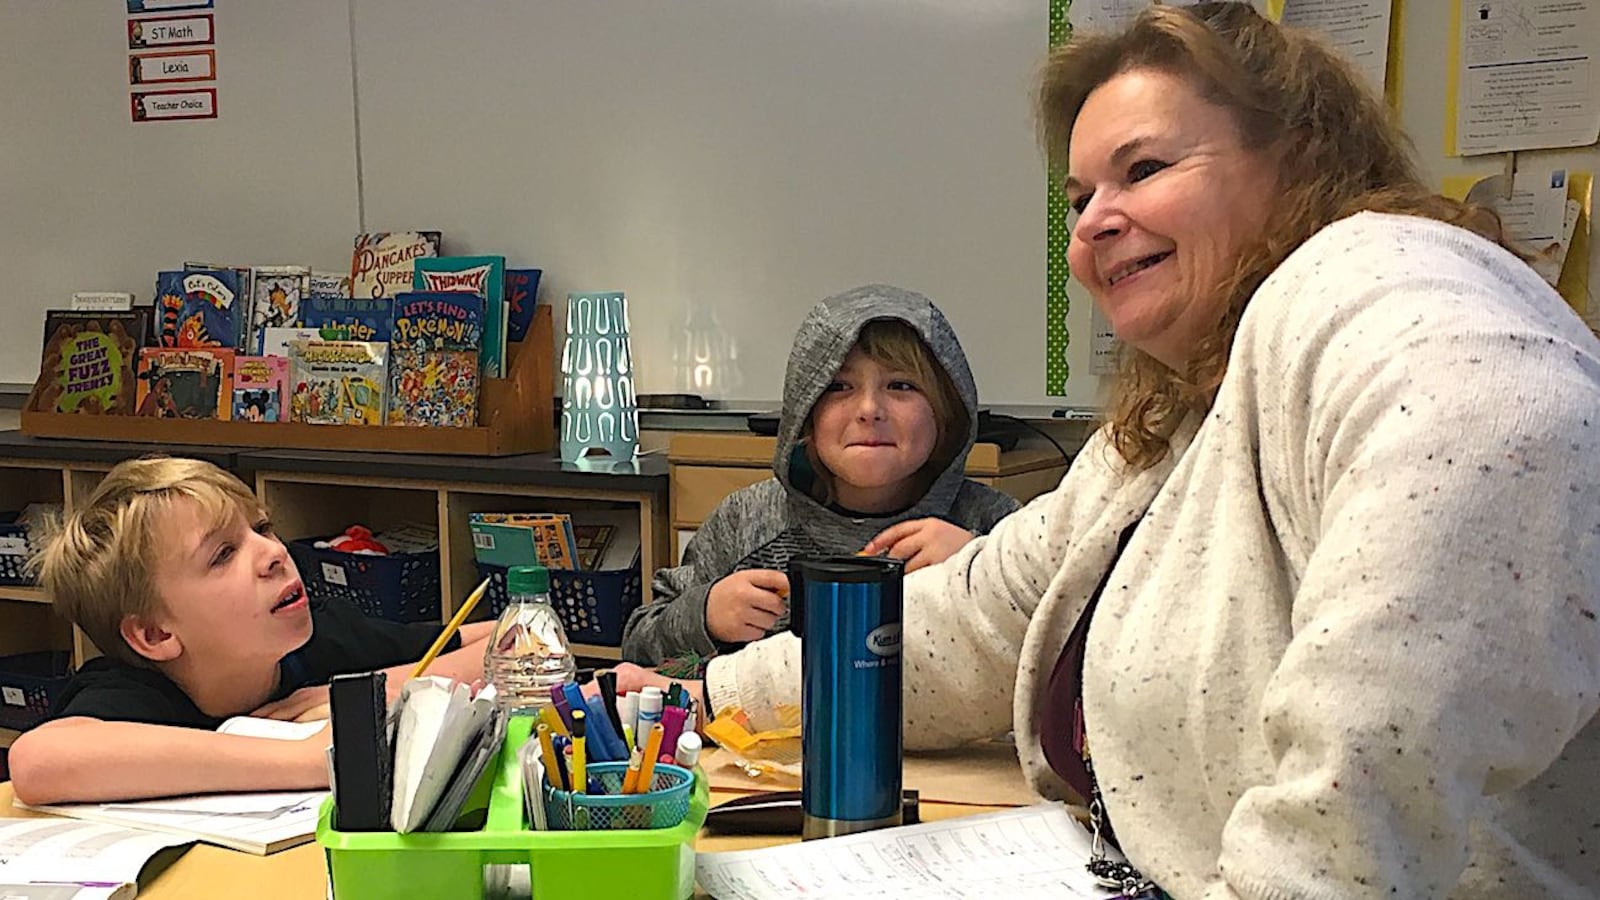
(672, 726)
(580, 772)
(601, 735)
(608, 692)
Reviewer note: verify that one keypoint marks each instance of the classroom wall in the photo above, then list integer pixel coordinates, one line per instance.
(725, 162)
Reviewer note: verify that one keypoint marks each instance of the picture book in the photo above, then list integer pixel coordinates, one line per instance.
(551, 534)
(90, 362)
(188, 383)
(245, 277)
(330, 284)
(359, 319)
(276, 292)
(522, 298)
(338, 382)
(259, 383)
(382, 261)
(433, 364)
(198, 309)
(276, 341)
(616, 531)
(591, 542)
(51, 859)
(481, 275)
(103, 301)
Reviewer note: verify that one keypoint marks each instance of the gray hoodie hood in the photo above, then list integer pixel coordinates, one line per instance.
(820, 347)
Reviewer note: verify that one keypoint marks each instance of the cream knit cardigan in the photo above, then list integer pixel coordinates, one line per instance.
(1352, 649)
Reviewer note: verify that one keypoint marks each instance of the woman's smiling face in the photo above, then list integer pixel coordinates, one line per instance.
(1164, 194)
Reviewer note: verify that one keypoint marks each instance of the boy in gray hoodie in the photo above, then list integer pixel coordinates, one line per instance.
(879, 412)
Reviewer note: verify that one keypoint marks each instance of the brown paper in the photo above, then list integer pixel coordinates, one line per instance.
(981, 774)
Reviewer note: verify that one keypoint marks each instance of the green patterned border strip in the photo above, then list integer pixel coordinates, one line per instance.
(1055, 265)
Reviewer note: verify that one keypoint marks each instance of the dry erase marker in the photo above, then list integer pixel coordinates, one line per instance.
(628, 711)
(688, 750)
(580, 772)
(651, 701)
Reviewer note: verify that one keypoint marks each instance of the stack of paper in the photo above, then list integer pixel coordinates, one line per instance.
(444, 740)
(1036, 852)
(48, 859)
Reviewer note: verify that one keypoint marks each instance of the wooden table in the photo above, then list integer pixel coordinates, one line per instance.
(301, 873)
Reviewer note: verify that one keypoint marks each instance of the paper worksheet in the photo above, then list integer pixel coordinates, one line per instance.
(1035, 852)
(1524, 75)
(259, 823)
(50, 858)
(1357, 28)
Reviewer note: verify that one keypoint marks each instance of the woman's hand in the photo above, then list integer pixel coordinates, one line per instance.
(744, 606)
(920, 542)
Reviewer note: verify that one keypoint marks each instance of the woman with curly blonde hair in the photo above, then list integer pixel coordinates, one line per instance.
(1321, 597)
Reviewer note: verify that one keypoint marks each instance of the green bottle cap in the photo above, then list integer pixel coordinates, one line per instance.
(528, 580)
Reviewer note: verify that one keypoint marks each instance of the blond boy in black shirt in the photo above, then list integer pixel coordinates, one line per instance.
(172, 569)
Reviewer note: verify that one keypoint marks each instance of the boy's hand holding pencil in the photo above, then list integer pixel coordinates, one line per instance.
(746, 605)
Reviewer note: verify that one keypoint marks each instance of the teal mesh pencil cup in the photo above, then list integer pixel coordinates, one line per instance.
(633, 859)
(663, 806)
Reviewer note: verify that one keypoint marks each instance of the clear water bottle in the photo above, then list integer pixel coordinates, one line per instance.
(528, 650)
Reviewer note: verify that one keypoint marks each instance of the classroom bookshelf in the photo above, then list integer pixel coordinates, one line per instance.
(314, 493)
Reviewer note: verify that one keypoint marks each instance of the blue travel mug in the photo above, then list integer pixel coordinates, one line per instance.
(847, 612)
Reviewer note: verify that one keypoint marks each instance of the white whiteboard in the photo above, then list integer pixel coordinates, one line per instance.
(93, 201)
(727, 163)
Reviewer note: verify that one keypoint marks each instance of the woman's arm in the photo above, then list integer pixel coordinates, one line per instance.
(82, 759)
(1445, 646)
(964, 621)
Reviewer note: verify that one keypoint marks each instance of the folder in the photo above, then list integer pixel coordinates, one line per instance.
(362, 759)
(473, 764)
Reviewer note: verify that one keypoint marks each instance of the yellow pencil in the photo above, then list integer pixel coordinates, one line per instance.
(452, 628)
(631, 780)
(647, 766)
(551, 771)
(549, 716)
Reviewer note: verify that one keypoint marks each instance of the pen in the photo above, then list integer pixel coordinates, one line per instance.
(548, 748)
(674, 691)
(451, 629)
(562, 744)
(580, 780)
